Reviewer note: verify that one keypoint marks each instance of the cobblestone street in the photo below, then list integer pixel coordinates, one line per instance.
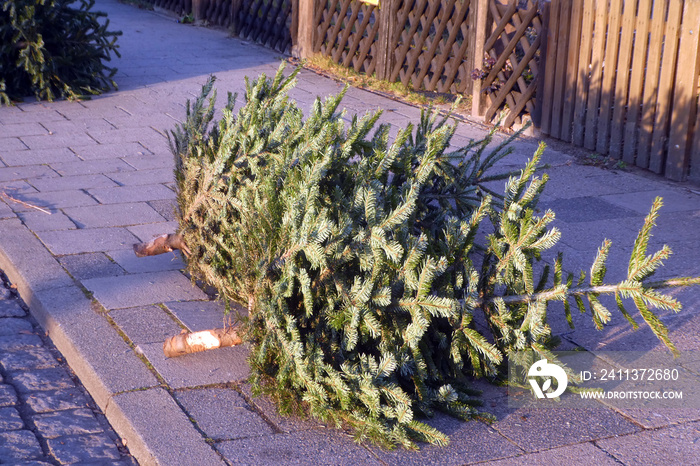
(46, 416)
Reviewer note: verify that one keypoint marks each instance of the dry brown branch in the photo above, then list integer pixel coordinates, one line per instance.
(161, 245)
(194, 342)
(25, 204)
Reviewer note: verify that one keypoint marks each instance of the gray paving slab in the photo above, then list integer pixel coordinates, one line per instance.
(127, 194)
(44, 380)
(201, 315)
(222, 413)
(540, 429)
(61, 242)
(15, 187)
(197, 369)
(264, 405)
(119, 136)
(586, 209)
(145, 324)
(40, 115)
(321, 447)
(26, 358)
(674, 200)
(37, 157)
(5, 211)
(58, 400)
(41, 221)
(10, 419)
(143, 289)
(25, 129)
(90, 265)
(583, 453)
(77, 125)
(53, 140)
(72, 422)
(154, 423)
(19, 445)
(13, 145)
(132, 264)
(8, 395)
(144, 177)
(108, 151)
(11, 342)
(79, 181)
(148, 231)
(166, 208)
(113, 215)
(91, 167)
(52, 200)
(671, 445)
(13, 326)
(31, 171)
(83, 449)
(158, 160)
(29, 261)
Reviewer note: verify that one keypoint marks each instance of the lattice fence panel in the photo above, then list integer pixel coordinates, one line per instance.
(512, 52)
(267, 22)
(432, 45)
(347, 32)
(218, 12)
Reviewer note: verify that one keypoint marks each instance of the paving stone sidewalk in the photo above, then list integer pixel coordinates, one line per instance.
(103, 169)
(46, 416)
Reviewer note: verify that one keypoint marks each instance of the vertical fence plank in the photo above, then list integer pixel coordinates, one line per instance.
(560, 71)
(539, 94)
(609, 72)
(651, 82)
(624, 60)
(638, 71)
(583, 72)
(572, 62)
(685, 93)
(597, 57)
(479, 39)
(659, 136)
(387, 28)
(550, 66)
(694, 174)
(305, 27)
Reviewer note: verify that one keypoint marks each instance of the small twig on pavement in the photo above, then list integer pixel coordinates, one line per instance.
(26, 204)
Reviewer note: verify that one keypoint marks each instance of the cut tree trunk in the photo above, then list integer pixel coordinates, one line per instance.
(194, 342)
(160, 245)
(187, 342)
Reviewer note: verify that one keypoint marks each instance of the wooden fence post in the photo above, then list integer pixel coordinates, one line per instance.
(542, 66)
(199, 9)
(685, 98)
(303, 29)
(478, 36)
(387, 28)
(235, 8)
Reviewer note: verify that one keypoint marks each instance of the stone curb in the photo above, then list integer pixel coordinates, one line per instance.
(98, 356)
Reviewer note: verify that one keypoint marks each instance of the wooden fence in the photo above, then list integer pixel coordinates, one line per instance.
(618, 77)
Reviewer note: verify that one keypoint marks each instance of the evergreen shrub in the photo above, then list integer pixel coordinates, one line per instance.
(54, 49)
(363, 262)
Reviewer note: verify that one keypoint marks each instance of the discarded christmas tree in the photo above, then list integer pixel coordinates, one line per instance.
(54, 49)
(361, 262)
